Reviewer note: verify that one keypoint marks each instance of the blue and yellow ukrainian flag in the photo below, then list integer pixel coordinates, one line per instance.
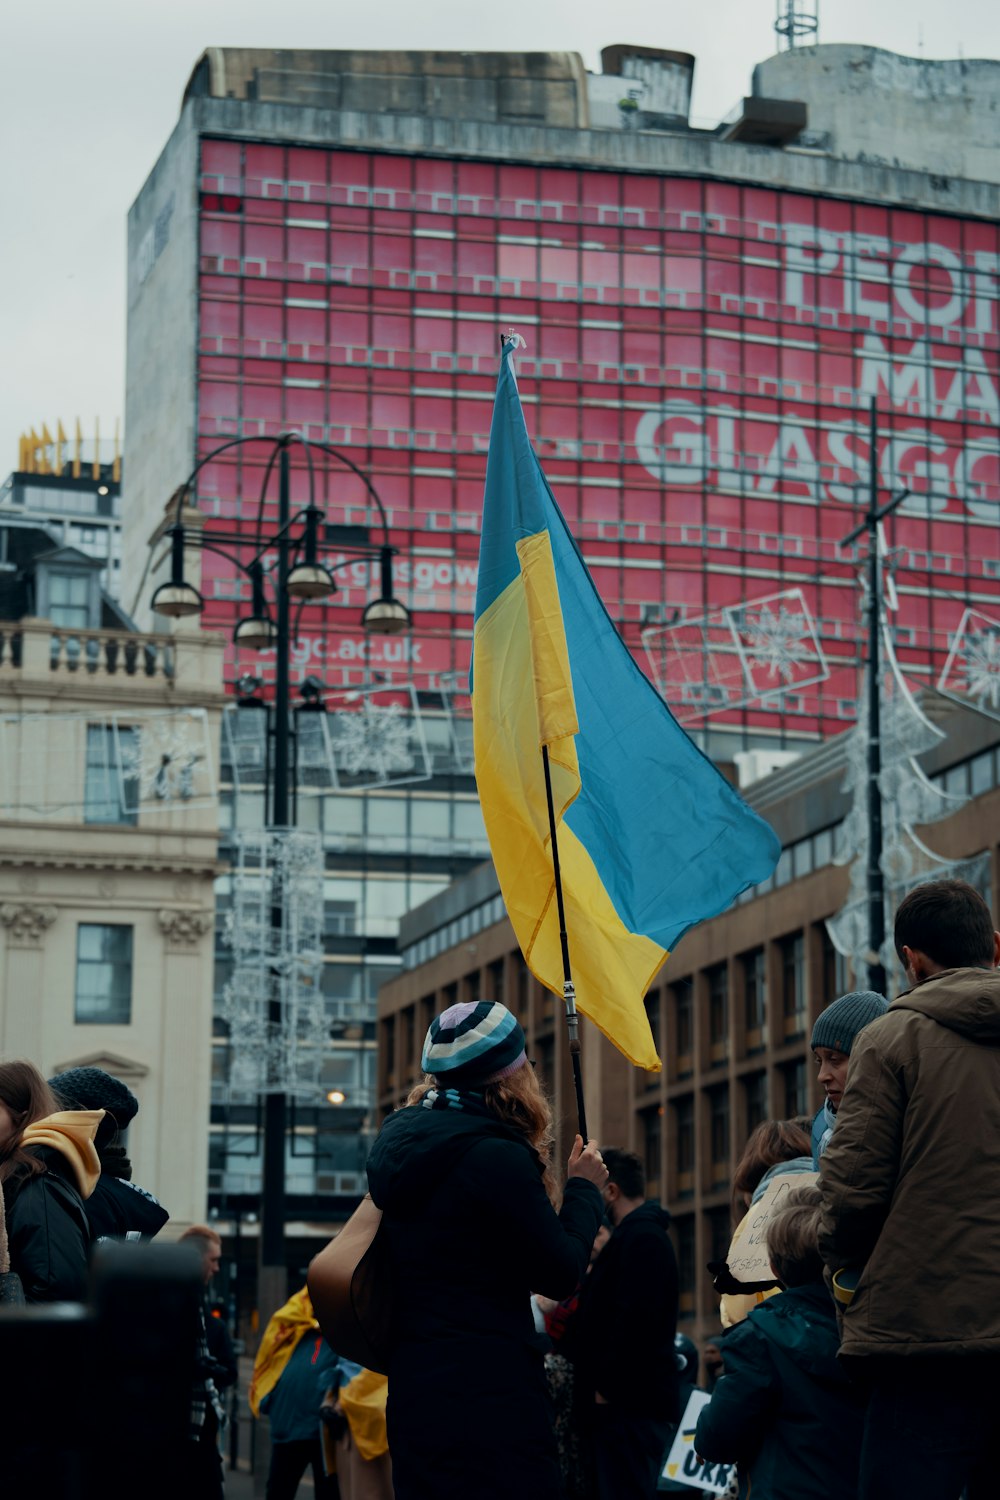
(652, 839)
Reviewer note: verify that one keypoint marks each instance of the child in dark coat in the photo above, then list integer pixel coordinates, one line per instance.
(783, 1411)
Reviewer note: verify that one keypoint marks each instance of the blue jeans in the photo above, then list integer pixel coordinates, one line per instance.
(929, 1430)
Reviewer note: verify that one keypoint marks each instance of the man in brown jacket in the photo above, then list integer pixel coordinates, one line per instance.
(910, 1184)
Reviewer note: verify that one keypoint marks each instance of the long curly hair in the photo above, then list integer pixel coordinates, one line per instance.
(519, 1101)
(29, 1098)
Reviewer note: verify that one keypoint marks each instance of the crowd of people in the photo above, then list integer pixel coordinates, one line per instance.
(533, 1347)
(867, 1368)
(857, 1357)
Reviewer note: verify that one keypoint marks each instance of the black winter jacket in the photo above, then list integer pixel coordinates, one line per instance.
(117, 1209)
(784, 1409)
(471, 1235)
(622, 1338)
(48, 1231)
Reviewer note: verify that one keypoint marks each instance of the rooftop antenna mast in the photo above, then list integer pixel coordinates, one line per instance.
(797, 23)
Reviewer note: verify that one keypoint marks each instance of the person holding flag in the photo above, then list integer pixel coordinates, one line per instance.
(462, 1175)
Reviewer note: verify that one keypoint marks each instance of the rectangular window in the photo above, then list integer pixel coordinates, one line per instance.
(719, 1114)
(687, 1264)
(388, 1052)
(755, 999)
(545, 1064)
(835, 978)
(720, 1232)
(793, 985)
(683, 1005)
(409, 1020)
(494, 981)
(69, 600)
(755, 1098)
(684, 1145)
(103, 974)
(652, 1139)
(981, 773)
(794, 1077)
(718, 1013)
(111, 788)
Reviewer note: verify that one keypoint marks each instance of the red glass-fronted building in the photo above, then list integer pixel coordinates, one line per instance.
(700, 361)
(706, 327)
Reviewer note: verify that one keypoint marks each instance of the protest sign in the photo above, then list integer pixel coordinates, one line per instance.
(748, 1259)
(683, 1466)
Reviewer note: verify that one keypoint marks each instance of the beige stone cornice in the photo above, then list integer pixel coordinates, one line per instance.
(206, 868)
(122, 694)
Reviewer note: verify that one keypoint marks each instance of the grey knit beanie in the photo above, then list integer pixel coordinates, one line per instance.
(839, 1024)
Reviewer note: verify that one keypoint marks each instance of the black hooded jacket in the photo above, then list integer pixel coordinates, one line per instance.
(48, 1231)
(622, 1338)
(117, 1209)
(471, 1235)
(784, 1410)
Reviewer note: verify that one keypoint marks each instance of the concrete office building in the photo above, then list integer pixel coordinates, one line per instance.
(331, 241)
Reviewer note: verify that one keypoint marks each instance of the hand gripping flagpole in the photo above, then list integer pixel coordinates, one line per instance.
(569, 989)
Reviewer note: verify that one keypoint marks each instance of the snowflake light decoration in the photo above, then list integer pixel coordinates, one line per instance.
(971, 673)
(981, 666)
(162, 756)
(778, 643)
(726, 659)
(375, 738)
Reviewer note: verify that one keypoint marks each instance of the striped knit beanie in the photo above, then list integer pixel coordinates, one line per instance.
(470, 1045)
(838, 1025)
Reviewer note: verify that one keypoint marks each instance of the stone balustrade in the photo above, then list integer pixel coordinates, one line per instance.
(38, 651)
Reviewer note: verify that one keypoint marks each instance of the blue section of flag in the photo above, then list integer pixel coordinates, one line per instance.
(672, 841)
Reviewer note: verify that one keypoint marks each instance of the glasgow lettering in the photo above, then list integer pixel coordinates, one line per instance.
(683, 442)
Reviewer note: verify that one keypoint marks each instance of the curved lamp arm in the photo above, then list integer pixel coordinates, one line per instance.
(285, 440)
(372, 491)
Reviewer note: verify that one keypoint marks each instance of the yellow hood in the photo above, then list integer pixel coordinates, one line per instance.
(71, 1132)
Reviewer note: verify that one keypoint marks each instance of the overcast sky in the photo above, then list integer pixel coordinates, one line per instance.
(91, 92)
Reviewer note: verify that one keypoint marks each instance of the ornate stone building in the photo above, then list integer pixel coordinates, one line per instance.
(108, 850)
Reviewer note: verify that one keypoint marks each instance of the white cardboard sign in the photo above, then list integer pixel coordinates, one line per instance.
(748, 1259)
(682, 1463)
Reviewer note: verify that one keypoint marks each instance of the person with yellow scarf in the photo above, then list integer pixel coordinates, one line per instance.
(292, 1372)
(48, 1167)
(356, 1438)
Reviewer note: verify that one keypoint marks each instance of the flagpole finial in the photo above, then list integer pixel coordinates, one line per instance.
(511, 339)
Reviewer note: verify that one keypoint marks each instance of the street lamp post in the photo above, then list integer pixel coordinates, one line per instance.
(873, 518)
(270, 1288)
(297, 573)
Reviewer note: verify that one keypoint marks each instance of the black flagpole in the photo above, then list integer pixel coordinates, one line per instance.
(569, 989)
